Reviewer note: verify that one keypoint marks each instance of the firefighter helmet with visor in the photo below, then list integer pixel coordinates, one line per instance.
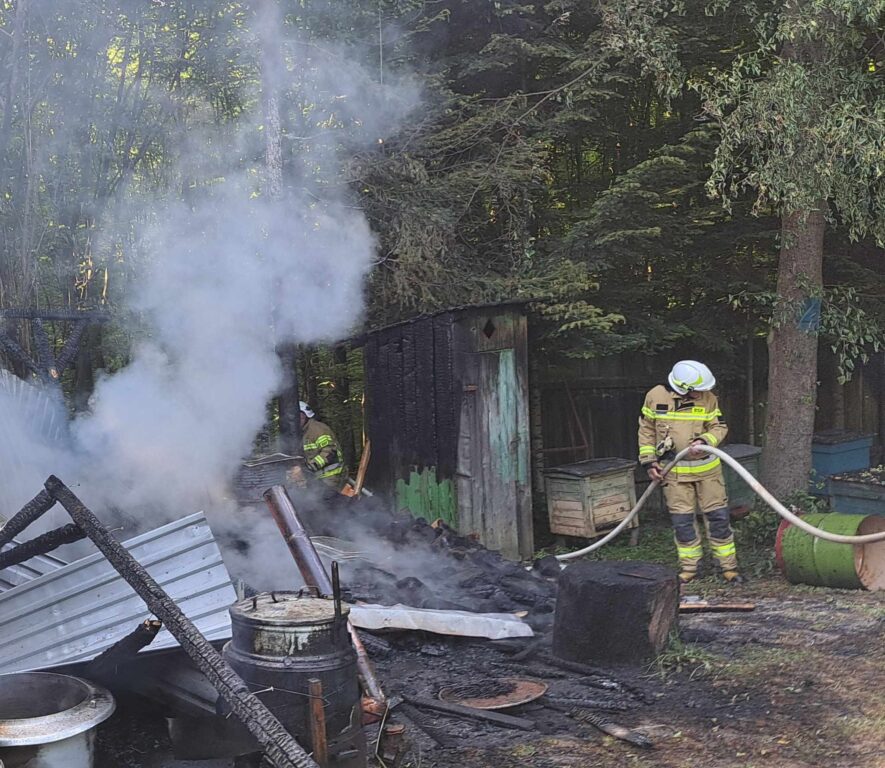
(690, 375)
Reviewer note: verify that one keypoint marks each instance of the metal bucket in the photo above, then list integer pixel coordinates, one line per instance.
(806, 559)
(282, 640)
(49, 720)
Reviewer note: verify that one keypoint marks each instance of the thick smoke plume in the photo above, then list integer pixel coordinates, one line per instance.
(223, 277)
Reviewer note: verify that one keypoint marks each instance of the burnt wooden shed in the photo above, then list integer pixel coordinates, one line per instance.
(447, 413)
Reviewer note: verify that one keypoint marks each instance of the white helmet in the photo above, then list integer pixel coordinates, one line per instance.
(305, 409)
(688, 375)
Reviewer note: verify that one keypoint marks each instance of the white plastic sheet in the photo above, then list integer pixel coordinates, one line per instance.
(492, 626)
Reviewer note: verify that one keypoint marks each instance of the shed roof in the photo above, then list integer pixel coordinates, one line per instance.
(360, 339)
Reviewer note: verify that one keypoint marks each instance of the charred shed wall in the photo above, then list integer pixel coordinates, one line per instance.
(447, 415)
(411, 401)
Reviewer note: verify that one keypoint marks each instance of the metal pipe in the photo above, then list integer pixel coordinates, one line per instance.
(336, 589)
(314, 574)
(297, 539)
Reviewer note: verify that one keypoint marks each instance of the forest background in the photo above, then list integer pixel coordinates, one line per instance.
(651, 176)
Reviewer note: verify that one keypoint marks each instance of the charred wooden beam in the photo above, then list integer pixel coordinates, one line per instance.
(45, 356)
(459, 710)
(706, 607)
(278, 744)
(431, 727)
(594, 677)
(564, 704)
(42, 544)
(104, 666)
(71, 345)
(18, 355)
(612, 729)
(93, 315)
(36, 507)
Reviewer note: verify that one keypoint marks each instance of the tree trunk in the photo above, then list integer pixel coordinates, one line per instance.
(792, 361)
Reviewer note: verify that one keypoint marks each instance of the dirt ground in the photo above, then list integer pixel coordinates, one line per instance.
(796, 683)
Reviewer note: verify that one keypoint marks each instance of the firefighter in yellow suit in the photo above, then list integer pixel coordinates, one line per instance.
(322, 453)
(683, 413)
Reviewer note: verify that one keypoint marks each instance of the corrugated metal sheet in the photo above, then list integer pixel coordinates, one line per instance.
(75, 612)
(30, 569)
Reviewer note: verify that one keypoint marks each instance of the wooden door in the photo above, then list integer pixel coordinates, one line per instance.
(494, 489)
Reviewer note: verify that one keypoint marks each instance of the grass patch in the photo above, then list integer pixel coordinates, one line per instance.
(684, 657)
(655, 546)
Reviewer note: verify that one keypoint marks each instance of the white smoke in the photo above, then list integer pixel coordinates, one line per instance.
(221, 280)
(228, 281)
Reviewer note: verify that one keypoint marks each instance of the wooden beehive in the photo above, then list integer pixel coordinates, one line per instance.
(590, 497)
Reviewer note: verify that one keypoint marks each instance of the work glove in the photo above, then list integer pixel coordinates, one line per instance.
(654, 472)
(695, 451)
(316, 464)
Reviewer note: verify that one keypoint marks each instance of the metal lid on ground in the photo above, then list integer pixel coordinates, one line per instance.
(497, 693)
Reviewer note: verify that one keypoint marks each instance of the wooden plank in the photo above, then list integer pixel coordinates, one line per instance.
(458, 710)
(448, 401)
(705, 607)
(575, 505)
(425, 377)
(408, 430)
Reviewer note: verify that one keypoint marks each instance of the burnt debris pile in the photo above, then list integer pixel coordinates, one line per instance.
(398, 559)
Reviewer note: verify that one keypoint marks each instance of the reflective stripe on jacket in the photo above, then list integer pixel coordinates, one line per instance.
(667, 414)
(321, 448)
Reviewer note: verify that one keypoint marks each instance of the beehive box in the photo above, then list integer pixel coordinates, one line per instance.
(590, 497)
(859, 493)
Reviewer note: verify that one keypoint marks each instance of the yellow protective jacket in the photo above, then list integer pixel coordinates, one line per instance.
(321, 449)
(666, 413)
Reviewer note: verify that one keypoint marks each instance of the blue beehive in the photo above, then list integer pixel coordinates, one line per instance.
(859, 493)
(835, 451)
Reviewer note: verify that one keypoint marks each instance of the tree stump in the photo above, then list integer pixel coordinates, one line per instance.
(614, 611)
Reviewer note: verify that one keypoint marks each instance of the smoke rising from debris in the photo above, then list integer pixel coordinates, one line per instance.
(225, 273)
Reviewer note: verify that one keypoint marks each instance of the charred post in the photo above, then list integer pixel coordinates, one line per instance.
(607, 612)
(318, 723)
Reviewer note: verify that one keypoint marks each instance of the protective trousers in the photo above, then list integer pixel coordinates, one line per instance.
(683, 499)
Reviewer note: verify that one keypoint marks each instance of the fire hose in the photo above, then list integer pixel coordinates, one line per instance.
(772, 502)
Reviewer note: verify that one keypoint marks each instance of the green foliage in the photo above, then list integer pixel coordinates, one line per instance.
(562, 152)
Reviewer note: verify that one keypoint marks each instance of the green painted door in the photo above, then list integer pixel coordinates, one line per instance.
(493, 455)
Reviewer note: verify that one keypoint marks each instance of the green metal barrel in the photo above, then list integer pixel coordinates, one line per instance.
(806, 559)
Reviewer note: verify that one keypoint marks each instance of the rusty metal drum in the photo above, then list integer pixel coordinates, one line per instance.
(282, 640)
